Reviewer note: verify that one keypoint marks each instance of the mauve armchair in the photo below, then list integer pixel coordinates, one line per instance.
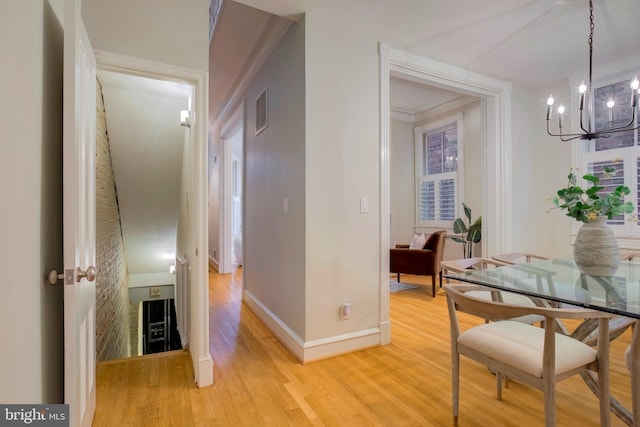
(425, 261)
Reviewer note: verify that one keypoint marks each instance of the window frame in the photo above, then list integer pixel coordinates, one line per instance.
(458, 176)
(628, 233)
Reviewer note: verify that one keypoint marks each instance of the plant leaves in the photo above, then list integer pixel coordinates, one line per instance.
(459, 226)
(467, 211)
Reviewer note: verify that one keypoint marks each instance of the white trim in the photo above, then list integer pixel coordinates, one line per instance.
(341, 344)
(231, 126)
(280, 329)
(385, 204)
(447, 107)
(201, 358)
(311, 351)
(403, 115)
(214, 264)
(496, 103)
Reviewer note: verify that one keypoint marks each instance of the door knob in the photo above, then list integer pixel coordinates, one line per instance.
(89, 274)
(53, 276)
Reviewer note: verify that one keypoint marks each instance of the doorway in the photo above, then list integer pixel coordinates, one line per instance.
(495, 97)
(191, 237)
(140, 160)
(232, 242)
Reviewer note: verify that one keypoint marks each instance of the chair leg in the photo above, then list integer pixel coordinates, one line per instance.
(398, 277)
(433, 285)
(455, 385)
(549, 402)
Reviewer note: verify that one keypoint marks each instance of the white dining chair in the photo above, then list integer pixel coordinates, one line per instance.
(537, 357)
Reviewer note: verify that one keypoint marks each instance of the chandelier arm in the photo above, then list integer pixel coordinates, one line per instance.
(575, 136)
(563, 135)
(623, 129)
(582, 125)
(633, 119)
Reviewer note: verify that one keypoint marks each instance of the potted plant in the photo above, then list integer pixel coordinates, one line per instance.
(595, 250)
(469, 233)
(587, 204)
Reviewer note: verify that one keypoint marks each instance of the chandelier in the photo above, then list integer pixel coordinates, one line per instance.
(586, 105)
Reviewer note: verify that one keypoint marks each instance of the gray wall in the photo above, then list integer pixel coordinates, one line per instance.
(274, 241)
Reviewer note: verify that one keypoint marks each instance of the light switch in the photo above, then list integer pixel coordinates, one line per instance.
(364, 205)
(285, 206)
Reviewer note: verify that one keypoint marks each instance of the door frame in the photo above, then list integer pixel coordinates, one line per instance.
(199, 289)
(495, 97)
(229, 128)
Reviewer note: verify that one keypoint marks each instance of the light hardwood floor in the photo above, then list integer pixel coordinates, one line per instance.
(259, 383)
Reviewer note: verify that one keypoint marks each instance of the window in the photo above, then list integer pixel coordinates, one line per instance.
(438, 172)
(620, 151)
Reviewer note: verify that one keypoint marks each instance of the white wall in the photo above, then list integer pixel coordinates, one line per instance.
(402, 194)
(342, 166)
(540, 167)
(31, 217)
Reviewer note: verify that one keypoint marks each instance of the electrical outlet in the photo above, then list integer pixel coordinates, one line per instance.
(345, 311)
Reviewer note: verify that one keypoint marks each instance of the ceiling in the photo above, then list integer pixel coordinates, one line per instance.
(532, 42)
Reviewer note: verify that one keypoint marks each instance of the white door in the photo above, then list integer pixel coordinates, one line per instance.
(79, 124)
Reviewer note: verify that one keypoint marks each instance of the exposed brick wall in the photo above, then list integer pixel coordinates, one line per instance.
(112, 293)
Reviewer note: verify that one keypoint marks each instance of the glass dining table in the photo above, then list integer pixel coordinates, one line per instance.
(560, 281)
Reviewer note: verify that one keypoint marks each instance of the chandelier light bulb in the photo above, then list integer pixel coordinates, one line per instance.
(561, 109)
(582, 88)
(610, 103)
(550, 100)
(635, 84)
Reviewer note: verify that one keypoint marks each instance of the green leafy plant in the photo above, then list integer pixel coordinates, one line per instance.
(586, 204)
(469, 233)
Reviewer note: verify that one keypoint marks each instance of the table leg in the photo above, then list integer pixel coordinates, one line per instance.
(635, 374)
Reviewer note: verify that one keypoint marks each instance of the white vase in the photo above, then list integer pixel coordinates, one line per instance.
(596, 249)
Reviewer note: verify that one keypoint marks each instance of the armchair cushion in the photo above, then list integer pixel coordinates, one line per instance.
(418, 241)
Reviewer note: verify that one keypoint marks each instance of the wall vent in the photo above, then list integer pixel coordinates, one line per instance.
(261, 111)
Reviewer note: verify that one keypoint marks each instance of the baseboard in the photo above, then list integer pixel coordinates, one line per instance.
(282, 332)
(311, 351)
(385, 332)
(205, 372)
(341, 344)
(214, 264)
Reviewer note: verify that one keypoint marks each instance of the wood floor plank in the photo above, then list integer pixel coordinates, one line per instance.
(406, 383)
